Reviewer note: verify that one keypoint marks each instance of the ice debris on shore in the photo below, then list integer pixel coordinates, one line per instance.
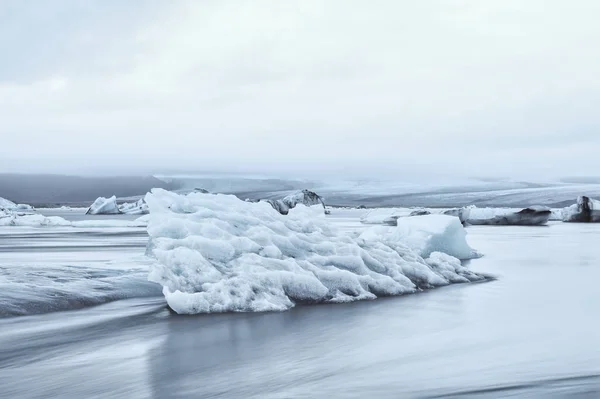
(217, 253)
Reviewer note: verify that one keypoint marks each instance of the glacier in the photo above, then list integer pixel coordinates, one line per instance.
(586, 210)
(217, 253)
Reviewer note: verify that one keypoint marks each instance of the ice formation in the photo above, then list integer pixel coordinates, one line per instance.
(16, 218)
(586, 210)
(387, 216)
(134, 208)
(104, 206)
(304, 197)
(6, 204)
(531, 216)
(427, 234)
(217, 253)
(109, 206)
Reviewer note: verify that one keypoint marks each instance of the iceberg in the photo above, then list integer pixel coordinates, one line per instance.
(531, 216)
(304, 197)
(16, 218)
(104, 206)
(31, 220)
(109, 206)
(386, 216)
(586, 210)
(217, 253)
(134, 208)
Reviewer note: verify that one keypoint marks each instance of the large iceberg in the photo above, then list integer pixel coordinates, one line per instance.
(586, 210)
(216, 253)
(304, 197)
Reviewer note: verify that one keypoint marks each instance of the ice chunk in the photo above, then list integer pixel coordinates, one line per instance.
(109, 206)
(586, 210)
(531, 216)
(304, 197)
(217, 253)
(387, 216)
(16, 218)
(134, 208)
(425, 235)
(31, 220)
(104, 206)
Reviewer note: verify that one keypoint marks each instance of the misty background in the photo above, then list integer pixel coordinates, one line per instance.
(301, 89)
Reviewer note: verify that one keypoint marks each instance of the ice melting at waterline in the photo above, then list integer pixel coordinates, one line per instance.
(216, 253)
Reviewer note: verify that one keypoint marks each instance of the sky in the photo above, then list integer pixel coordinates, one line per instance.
(505, 88)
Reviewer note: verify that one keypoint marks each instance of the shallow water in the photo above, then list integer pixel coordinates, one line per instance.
(533, 332)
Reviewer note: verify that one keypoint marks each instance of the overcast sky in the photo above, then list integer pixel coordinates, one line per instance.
(463, 87)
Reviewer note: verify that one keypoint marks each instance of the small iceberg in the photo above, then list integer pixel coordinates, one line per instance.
(586, 210)
(304, 197)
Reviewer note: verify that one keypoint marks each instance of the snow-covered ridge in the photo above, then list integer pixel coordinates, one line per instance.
(216, 253)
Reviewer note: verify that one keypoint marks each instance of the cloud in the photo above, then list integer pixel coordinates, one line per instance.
(389, 86)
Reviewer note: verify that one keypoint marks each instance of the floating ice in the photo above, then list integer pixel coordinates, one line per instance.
(134, 208)
(531, 216)
(387, 216)
(15, 218)
(109, 206)
(304, 197)
(216, 253)
(104, 206)
(586, 210)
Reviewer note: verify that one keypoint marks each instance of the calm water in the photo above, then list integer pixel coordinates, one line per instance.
(533, 332)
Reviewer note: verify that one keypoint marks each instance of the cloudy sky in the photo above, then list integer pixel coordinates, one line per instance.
(459, 87)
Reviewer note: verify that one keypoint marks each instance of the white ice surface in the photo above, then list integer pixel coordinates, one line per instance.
(216, 253)
(425, 235)
(6, 204)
